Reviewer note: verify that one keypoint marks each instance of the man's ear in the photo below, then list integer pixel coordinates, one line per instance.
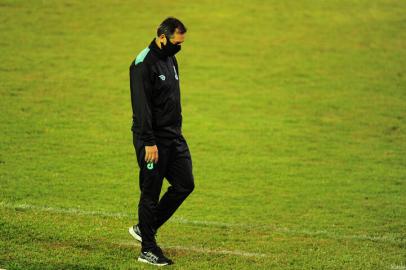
(162, 39)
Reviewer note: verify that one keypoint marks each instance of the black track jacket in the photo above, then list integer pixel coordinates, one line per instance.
(155, 96)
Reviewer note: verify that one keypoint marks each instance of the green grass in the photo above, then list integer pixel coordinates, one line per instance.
(294, 112)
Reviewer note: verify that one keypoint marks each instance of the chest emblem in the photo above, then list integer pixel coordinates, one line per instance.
(162, 77)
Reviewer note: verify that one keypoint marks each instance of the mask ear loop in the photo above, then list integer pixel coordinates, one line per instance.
(167, 40)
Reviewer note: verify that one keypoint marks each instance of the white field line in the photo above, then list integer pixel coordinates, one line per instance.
(181, 220)
(201, 250)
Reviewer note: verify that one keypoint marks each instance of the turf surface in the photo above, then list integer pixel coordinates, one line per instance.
(294, 112)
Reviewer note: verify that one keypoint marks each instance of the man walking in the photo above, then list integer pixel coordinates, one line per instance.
(160, 147)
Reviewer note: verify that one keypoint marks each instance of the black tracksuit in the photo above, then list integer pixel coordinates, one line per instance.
(157, 120)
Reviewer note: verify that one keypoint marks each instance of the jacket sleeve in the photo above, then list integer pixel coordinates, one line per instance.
(141, 96)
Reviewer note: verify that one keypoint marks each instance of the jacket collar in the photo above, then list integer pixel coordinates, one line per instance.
(156, 49)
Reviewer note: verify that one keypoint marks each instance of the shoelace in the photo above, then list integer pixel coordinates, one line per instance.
(151, 256)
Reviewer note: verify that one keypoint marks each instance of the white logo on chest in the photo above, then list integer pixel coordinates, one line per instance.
(162, 77)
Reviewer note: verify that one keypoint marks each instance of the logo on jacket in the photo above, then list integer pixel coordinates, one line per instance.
(176, 74)
(162, 77)
(150, 165)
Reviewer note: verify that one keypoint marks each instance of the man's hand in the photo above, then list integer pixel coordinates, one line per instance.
(151, 154)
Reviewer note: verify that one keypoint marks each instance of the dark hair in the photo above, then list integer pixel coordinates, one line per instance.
(168, 27)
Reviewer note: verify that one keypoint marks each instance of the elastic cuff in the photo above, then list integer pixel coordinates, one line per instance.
(150, 143)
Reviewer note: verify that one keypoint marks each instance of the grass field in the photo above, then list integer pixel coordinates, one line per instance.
(294, 112)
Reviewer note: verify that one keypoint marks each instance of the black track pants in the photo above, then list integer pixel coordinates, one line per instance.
(175, 164)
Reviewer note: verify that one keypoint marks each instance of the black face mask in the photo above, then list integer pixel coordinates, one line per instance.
(170, 49)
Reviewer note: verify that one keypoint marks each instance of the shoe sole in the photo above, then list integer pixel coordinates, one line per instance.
(157, 264)
(133, 234)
